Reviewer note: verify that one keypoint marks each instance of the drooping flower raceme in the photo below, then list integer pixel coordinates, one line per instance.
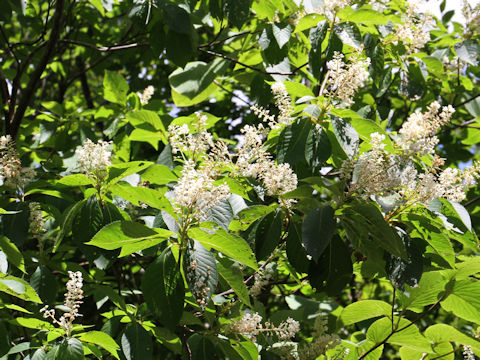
(12, 174)
(418, 132)
(36, 221)
(250, 326)
(196, 193)
(283, 102)
(146, 95)
(73, 300)
(413, 33)
(344, 79)
(93, 159)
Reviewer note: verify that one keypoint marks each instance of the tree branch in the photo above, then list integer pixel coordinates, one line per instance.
(293, 72)
(14, 124)
(104, 48)
(466, 101)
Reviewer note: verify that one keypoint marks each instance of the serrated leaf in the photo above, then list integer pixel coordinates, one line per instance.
(468, 51)
(200, 269)
(346, 135)
(128, 235)
(139, 194)
(317, 230)
(349, 34)
(282, 33)
(102, 339)
(14, 256)
(445, 333)
(363, 310)
(248, 216)
(75, 180)
(229, 244)
(136, 343)
(163, 289)
(18, 288)
(463, 300)
(45, 284)
(292, 140)
(267, 234)
(159, 174)
(234, 277)
(115, 88)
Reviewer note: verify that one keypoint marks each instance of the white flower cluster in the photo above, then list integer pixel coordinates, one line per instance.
(73, 300)
(345, 79)
(191, 141)
(146, 95)
(472, 17)
(378, 172)
(418, 132)
(35, 219)
(93, 159)
(254, 161)
(413, 33)
(250, 326)
(468, 353)
(260, 281)
(283, 103)
(12, 174)
(333, 6)
(196, 193)
(321, 341)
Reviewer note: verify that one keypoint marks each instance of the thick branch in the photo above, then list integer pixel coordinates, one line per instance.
(29, 91)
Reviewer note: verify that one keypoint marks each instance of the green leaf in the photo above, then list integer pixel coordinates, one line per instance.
(45, 284)
(183, 101)
(292, 140)
(141, 117)
(102, 339)
(346, 135)
(229, 244)
(91, 217)
(282, 33)
(445, 333)
(195, 78)
(75, 180)
(128, 235)
(201, 347)
(267, 234)
(381, 232)
(468, 51)
(18, 288)
(14, 256)
(67, 349)
(248, 216)
(463, 300)
(238, 11)
(115, 88)
(296, 254)
(317, 35)
(159, 175)
(410, 336)
(136, 343)
(333, 270)
(427, 292)
(139, 194)
(363, 310)
(119, 171)
(200, 269)
(317, 149)
(434, 66)
(367, 16)
(349, 34)
(32, 323)
(234, 277)
(317, 230)
(163, 289)
(308, 21)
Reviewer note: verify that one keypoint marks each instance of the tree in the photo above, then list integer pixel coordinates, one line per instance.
(233, 178)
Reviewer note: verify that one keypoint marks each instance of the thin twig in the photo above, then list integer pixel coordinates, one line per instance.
(104, 48)
(218, 42)
(231, 93)
(293, 72)
(466, 101)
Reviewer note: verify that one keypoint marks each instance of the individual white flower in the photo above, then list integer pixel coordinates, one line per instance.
(93, 159)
